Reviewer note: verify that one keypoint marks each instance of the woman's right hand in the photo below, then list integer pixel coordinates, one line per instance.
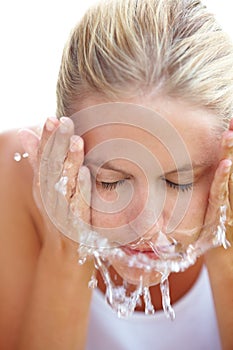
(56, 313)
(62, 184)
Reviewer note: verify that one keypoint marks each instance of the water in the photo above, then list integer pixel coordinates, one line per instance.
(220, 237)
(124, 301)
(149, 308)
(82, 260)
(173, 257)
(93, 281)
(124, 298)
(18, 156)
(166, 301)
(121, 300)
(61, 185)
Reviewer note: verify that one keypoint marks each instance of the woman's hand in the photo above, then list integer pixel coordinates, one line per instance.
(219, 261)
(217, 229)
(58, 304)
(62, 185)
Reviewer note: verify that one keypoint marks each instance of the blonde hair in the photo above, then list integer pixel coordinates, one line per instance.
(122, 48)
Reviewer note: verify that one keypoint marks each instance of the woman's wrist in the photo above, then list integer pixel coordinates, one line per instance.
(62, 254)
(58, 309)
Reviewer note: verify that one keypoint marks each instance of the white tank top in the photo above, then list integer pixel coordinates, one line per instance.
(194, 328)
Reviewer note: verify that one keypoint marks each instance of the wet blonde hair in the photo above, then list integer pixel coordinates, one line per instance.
(123, 48)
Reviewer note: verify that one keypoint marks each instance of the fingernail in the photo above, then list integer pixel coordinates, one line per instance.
(227, 165)
(229, 141)
(83, 173)
(50, 123)
(64, 126)
(76, 143)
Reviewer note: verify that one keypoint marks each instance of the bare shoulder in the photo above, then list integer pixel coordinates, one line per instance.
(16, 201)
(19, 243)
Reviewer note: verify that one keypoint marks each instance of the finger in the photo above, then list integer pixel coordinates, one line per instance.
(219, 190)
(52, 159)
(81, 200)
(72, 217)
(218, 198)
(231, 124)
(230, 190)
(73, 162)
(45, 146)
(49, 127)
(58, 145)
(227, 145)
(66, 186)
(227, 151)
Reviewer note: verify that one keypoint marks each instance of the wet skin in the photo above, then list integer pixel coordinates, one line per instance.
(201, 133)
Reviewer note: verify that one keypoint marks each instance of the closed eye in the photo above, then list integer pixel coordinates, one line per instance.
(179, 187)
(111, 185)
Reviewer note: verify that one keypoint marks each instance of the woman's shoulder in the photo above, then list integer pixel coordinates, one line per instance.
(12, 152)
(17, 207)
(15, 172)
(10, 145)
(19, 239)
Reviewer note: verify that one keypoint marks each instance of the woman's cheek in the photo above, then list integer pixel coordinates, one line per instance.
(196, 210)
(109, 209)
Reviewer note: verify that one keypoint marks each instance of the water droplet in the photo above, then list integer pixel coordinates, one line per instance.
(93, 282)
(25, 155)
(149, 308)
(166, 301)
(17, 157)
(82, 260)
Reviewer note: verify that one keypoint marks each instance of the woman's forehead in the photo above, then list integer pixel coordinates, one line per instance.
(155, 114)
(185, 133)
(111, 143)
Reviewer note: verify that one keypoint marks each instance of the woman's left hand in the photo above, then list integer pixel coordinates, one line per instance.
(219, 261)
(218, 225)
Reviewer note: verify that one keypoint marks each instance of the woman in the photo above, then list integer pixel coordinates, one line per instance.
(164, 61)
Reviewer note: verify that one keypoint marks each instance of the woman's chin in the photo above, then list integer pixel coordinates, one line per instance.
(137, 276)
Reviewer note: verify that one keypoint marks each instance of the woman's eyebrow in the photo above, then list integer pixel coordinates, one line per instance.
(108, 166)
(191, 167)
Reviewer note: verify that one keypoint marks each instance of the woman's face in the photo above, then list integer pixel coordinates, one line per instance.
(151, 168)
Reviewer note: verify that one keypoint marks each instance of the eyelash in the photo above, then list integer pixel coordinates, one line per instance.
(179, 187)
(111, 185)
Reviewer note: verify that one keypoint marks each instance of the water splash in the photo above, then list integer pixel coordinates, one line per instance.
(124, 302)
(149, 308)
(171, 257)
(119, 298)
(220, 237)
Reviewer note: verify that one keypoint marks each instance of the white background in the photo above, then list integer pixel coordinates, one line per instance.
(32, 36)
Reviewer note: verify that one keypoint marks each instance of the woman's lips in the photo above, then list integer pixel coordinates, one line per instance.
(149, 253)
